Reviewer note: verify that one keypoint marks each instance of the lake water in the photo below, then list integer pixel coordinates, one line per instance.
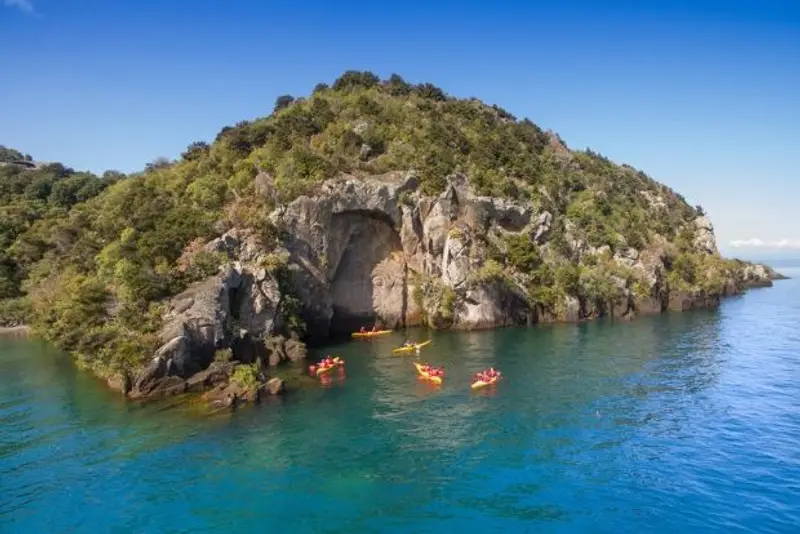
(679, 423)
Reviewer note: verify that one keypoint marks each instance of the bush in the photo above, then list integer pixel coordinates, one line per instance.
(430, 92)
(14, 312)
(397, 86)
(205, 264)
(223, 355)
(246, 376)
(448, 303)
(274, 261)
(195, 151)
(353, 79)
(522, 253)
(282, 102)
(490, 271)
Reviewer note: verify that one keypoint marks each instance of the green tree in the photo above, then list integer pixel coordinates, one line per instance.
(283, 102)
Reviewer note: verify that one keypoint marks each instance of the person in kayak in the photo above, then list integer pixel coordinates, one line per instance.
(374, 329)
(408, 344)
(363, 330)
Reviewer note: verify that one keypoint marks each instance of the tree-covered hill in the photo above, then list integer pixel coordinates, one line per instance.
(90, 261)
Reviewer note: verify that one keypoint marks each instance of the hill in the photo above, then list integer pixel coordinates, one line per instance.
(367, 201)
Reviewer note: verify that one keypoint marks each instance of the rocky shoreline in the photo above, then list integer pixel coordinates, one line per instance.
(15, 331)
(367, 202)
(376, 250)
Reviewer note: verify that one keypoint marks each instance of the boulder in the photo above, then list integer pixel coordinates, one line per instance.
(274, 386)
(295, 350)
(542, 227)
(216, 374)
(491, 305)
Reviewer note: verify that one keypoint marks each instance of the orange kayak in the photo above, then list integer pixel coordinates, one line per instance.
(427, 376)
(325, 368)
(371, 334)
(478, 384)
(414, 347)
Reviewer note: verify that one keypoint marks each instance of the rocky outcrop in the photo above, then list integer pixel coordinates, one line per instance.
(236, 309)
(758, 275)
(704, 239)
(230, 393)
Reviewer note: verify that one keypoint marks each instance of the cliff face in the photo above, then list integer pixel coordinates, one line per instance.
(378, 249)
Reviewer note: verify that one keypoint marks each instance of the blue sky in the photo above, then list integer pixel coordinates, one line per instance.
(704, 95)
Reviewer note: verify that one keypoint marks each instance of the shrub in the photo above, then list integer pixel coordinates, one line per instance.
(397, 86)
(15, 312)
(490, 271)
(245, 376)
(205, 264)
(223, 355)
(522, 253)
(274, 261)
(430, 92)
(447, 303)
(353, 79)
(195, 151)
(282, 102)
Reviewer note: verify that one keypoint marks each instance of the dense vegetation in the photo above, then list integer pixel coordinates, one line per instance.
(87, 259)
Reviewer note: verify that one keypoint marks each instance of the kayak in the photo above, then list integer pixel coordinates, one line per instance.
(424, 374)
(371, 334)
(478, 384)
(414, 347)
(324, 369)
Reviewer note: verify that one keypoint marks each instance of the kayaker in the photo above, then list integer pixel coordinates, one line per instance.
(363, 330)
(374, 329)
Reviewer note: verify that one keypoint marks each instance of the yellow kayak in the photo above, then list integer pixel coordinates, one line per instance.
(478, 384)
(324, 369)
(424, 374)
(371, 334)
(413, 347)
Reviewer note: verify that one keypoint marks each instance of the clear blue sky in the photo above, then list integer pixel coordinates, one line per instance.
(703, 95)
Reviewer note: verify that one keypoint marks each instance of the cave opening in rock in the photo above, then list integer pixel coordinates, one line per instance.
(368, 284)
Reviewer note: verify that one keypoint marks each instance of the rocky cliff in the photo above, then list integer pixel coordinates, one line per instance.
(376, 250)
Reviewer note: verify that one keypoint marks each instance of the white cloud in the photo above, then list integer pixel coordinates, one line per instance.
(23, 5)
(760, 243)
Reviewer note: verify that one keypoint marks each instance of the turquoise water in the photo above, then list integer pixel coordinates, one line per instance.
(680, 423)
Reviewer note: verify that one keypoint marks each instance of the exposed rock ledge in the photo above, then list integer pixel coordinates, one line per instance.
(14, 331)
(376, 249)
